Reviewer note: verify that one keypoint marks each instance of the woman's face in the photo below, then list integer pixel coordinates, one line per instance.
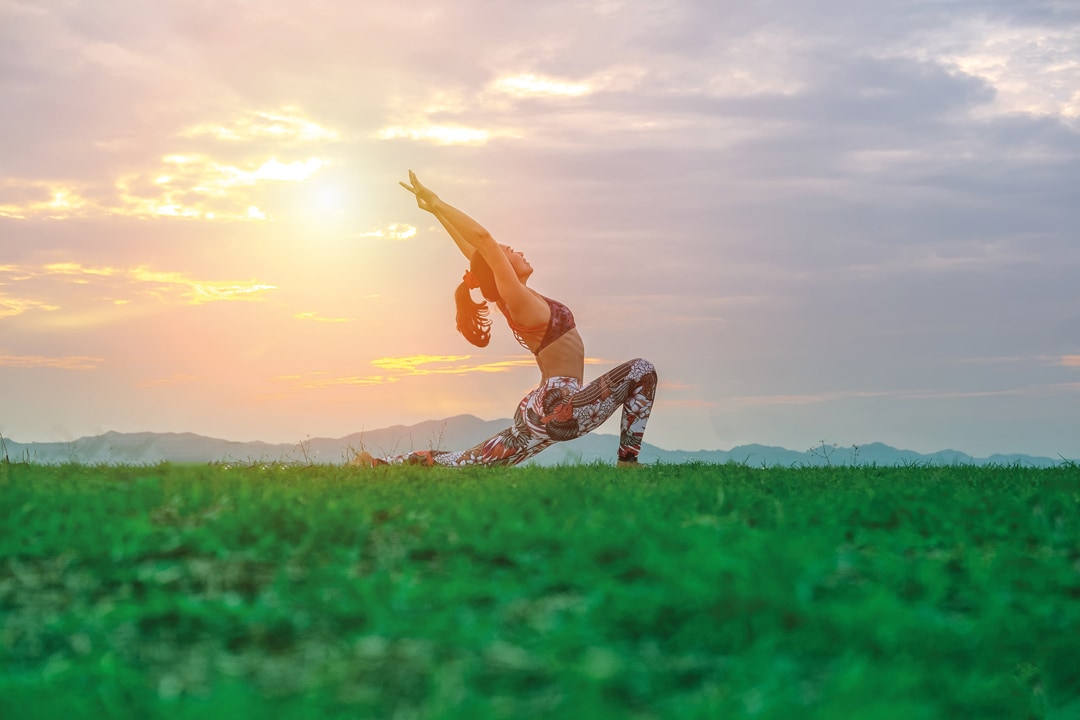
(518, 262)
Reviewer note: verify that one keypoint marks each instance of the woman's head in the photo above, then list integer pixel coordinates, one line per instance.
(521, 266)
(485, 276)
(472, 317)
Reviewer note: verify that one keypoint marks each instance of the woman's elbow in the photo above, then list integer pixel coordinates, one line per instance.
(481, 238)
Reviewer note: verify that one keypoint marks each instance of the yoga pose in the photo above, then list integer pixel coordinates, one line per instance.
(561, 408)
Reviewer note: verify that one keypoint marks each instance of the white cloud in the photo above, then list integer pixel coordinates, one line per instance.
(1033, 69)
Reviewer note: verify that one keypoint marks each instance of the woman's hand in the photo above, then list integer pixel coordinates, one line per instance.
(425, 198)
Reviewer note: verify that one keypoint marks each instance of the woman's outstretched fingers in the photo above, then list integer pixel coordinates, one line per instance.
(418, 187)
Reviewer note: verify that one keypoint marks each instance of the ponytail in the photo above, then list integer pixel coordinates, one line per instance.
(472, 317)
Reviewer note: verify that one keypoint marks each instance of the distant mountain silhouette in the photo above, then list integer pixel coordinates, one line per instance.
(453, 433)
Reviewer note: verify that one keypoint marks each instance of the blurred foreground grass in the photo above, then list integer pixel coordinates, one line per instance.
(683, 591)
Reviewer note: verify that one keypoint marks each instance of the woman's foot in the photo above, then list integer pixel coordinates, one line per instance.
(363, 459)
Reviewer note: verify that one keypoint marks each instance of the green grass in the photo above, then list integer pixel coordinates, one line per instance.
(684, 591)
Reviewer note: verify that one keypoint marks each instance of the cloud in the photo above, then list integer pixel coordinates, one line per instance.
(209, 171)
(691, 403)
(1033, 68)
(319, 380)
(801, 399)
(394, 231)
(198, 292)
(11, 306)
(66, 285)
(42, 199)
(408, 366)
(162, 284)
(196, 186)
(318, 318)
(437, 134)
(1044, 360)
(531, 84)
(398, 368)
(285, 127)
(1033, 391)
(676, 386)
(176, 379)
(449, 364)
(71, 362)
(453, 364)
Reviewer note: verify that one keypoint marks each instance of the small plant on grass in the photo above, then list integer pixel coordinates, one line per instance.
(823, 452)
(304, 447)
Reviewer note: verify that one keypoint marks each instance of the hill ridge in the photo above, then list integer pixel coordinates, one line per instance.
(459, 431)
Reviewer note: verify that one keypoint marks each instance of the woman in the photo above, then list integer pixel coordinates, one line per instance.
(560, 408)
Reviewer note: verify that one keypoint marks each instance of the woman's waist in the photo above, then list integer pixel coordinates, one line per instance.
(558, 381)
(555, 378)
(562, 360)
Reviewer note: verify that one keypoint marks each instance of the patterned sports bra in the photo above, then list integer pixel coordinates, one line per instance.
(561, 322)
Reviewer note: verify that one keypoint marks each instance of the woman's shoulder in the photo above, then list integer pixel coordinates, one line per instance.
(530, 310)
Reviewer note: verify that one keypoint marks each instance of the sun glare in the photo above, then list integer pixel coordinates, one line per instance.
(530, 85)
(274, 169)
(328, 199)
(438, 134)
(287, 124)
(391, 232)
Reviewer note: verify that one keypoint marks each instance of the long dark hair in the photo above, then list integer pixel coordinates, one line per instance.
(472, 317)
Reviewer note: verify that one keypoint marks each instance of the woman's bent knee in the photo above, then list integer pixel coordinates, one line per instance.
(640, 367)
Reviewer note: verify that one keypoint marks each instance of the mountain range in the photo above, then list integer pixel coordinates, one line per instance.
(457, 432)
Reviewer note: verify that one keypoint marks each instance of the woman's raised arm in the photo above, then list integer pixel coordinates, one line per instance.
(466, 249)
(470, 236)
(467, 233)
(463, 230)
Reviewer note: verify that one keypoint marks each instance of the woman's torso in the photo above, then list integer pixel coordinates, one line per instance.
(555, 343)
(563, 358)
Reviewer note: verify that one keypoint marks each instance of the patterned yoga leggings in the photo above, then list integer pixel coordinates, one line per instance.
(560, 409)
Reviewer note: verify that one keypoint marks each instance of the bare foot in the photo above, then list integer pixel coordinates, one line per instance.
(629, 464)
(363, 459)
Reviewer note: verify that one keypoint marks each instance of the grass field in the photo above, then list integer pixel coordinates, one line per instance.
(681, 591)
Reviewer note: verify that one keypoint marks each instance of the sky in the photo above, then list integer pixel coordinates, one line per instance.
(822, 220)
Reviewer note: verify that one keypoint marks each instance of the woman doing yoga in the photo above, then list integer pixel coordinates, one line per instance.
(561, 408)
